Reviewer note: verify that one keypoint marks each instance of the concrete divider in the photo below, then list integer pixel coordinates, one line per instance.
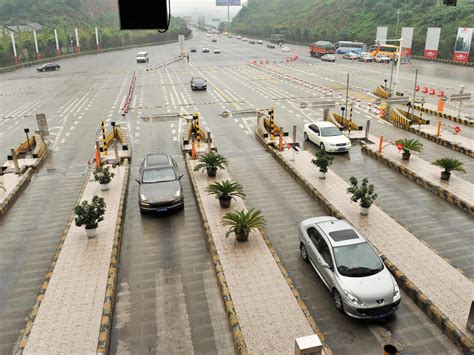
(381, 92)
(442, 60)
(436, 113)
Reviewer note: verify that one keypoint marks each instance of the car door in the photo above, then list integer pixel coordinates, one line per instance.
(315, 134)
(325, 257)
(312, 239)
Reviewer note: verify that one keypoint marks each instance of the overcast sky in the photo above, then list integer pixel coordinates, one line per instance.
(187, 7)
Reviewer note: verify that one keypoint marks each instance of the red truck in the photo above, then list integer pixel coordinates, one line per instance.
(320, 48)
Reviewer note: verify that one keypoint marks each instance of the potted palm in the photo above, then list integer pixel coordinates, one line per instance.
(409, 145)
(211, 162)
(364, 193)
(103, 175)
(225, 191)
(243, 222)
(449, 164)
(89, 214)
(322, 161)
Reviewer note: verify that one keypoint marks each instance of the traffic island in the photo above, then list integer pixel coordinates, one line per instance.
(455, 191)
(440, 290)
(16, 172)
(432, 110)
(73, 310)
(259, 300)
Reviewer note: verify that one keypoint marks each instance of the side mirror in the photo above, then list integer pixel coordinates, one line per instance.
(137, 180)
(327, 266)
(179, 177)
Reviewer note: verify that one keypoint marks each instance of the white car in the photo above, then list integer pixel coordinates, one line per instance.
(205, 50)
(285, 49)
(327, 136)
(217, 51)
(380, 58)
(260, 41)
(239, 37)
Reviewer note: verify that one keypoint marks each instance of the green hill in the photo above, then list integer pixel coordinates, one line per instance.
(334, 20)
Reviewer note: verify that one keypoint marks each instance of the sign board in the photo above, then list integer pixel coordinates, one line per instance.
(432, 42)
(323, 104)
(42, 124)
(227, 2)
(463, 45)
(460, 97)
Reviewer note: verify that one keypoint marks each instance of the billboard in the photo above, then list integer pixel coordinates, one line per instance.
(227, 2)
(381, 35)
(463, 45)
(407, 35)
(432, 42)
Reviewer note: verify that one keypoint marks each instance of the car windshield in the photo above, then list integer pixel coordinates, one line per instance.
(330, 132)
(158, 175)
(357, 260)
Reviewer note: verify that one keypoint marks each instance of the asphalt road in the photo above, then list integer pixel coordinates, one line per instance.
(166, 287)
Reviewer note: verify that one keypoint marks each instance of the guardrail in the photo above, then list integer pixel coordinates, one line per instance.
(441, 60)
(381, 92)
(65, 56)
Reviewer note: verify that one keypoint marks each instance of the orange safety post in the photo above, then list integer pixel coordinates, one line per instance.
(281, 139)
(380, 144)
(97, 154)
(440, 105)
(193, 150)
(439, 128)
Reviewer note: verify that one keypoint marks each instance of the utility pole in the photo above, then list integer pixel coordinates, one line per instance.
(347, 96)
(398, 21)
(414, 95)
(399, 56)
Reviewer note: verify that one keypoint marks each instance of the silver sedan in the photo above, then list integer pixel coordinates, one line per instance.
(360, 284)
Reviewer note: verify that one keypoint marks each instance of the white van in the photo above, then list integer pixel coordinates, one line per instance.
(142, 57)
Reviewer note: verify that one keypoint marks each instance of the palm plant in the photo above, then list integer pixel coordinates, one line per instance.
(449, 164)
(243, 222)
(211, 162)
(409, 145)
(225, 191)
(365, 193)
(322, 161)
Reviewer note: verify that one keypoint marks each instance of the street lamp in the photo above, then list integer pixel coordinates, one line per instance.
(112, 123)
(398, 21)
(385, 84)
(342, 114)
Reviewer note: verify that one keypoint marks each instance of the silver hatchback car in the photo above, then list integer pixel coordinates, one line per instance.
(360, 284)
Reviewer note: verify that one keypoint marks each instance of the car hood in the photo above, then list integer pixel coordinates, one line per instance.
(160, 191)
(369, 289)
(199, 83)
(337, 139)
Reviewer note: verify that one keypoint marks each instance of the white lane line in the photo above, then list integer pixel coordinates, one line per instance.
(172, 99)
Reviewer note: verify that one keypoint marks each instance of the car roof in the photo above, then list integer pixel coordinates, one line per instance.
(324, 124)
(142, 53)
(339, 232)
(157, 159)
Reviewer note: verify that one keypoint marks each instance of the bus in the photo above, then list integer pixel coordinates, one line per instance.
(343, 47)
(389, 50)
(277, 38)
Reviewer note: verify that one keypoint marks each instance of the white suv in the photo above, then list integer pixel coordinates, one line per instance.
(142, 57)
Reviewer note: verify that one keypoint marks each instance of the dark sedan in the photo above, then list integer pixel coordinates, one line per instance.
(160, 185)
(198, 83)
(48, 67)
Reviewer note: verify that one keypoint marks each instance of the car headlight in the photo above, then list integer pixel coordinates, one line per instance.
(332, 145)
(143, 198)
(396, 290)
(177, 194)
(353, 299)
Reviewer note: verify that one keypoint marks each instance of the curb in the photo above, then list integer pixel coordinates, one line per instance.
(436, 189)
(23, 339)
(436, 113)
(8, 202)
(237, 336)
(423, 302)
(108, 307)
(439, 140)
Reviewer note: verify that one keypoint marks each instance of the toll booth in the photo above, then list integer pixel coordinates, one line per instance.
(269, 131)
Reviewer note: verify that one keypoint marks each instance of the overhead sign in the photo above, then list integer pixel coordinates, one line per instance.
(407, 35)
(323, 104)
(463, 45)
(381, 36)
(432, 42)
(227, 2)
(42, 124)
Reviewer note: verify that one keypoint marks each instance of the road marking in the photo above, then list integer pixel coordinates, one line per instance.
(62, 141)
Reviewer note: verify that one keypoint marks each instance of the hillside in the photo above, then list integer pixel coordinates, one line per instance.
(333, 20)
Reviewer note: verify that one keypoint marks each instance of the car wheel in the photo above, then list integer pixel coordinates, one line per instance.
(142, 211)
(306, 136)
(304, 253)
(337, 301)
(322, 146)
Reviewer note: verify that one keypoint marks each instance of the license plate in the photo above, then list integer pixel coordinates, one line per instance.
(341, 149)
(377, 316)
(162, 209)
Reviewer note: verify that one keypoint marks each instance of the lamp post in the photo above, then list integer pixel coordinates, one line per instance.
(343, 109)
(385, 84)
(28, 139)
(398, 21)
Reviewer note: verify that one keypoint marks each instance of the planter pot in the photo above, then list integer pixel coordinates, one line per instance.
(241, 237)
(445, 175)
(104, 187)
(211, 172)
(322, 175)
(406, 156)
(225, 202)
(364, 211)
(91, 233)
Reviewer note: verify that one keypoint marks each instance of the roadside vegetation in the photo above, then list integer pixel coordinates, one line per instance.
(308, 21)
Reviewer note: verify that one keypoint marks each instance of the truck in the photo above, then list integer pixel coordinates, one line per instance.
(320, 48)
